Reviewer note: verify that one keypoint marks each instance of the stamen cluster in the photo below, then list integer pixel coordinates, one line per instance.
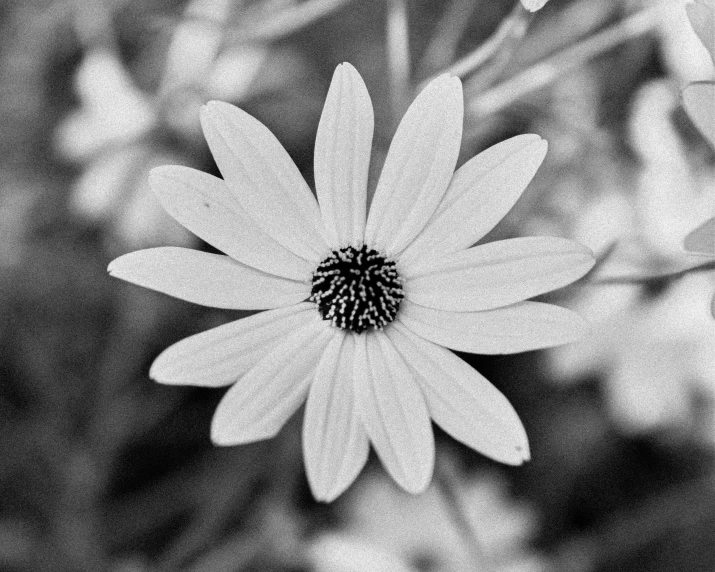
(357, 289)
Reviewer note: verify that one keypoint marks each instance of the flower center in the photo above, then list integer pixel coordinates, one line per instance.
(357, 289)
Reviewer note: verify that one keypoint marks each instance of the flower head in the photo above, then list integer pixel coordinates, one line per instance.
(360, 306)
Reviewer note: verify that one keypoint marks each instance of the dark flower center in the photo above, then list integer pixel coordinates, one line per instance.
(357, 289)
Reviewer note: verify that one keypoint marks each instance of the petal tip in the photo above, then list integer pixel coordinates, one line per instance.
(221, 436)
(517, 456)
(324, 493)
(155, 373)
(417, 487)
(444, 85)
(112, 267)
(346, 67)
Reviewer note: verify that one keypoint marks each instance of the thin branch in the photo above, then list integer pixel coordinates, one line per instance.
(654, 279)
(443, 45)
(259, 26)
(513, 27)
(542, 74)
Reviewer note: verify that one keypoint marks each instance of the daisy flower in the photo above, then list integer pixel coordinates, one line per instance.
(360, 306)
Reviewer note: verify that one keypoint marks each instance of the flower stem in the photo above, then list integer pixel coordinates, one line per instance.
(451, 26)
(512, 27)
(655, 278)
(398, 56)
(543, 73)
(447, 483)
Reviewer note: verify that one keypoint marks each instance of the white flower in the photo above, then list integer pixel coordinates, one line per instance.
(359, 305)
(119, 130)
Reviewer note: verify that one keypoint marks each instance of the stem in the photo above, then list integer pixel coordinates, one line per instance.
(636, 279)
(261, 26)
(447, 483)
(398, 56)
(512, 27)
(541, 74)
(443, 44)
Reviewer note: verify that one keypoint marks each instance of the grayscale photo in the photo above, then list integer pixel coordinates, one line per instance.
(357, 285)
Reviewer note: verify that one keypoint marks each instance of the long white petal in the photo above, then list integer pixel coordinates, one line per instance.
(209, 279)
(462, 401)
(521, 327)
(393, 412)
(342, 157)
(204, 204)
(264, 179)
(482, 191)
(335, 444)
(263, 399)
(497, 273)
(418, 167)
(221, 355)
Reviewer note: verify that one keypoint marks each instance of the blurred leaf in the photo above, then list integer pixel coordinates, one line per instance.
(699, 102)
(702, 17)
(702, 239)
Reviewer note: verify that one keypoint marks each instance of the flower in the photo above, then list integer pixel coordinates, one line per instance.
(652, 353)
(360, 307)
(119, 132)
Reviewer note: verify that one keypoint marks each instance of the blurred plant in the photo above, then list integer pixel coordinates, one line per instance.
(385, 530)
(699, 102)
(121, 132)
(701, 242)
(654, 351)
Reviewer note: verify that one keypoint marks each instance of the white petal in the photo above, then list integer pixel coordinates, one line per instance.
(462, 401)
(393, 412)
(699, 102)
(335, 444)
(702, 239)
(482, 191)
(205, 205)
(209, 279)
(262, 400)
(264, 179)
(521, 327)
(533, 5)
(418, 167)
(497, 273)
(342, 157)
(219, 356)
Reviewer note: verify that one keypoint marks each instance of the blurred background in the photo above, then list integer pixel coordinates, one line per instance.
(102, 469)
